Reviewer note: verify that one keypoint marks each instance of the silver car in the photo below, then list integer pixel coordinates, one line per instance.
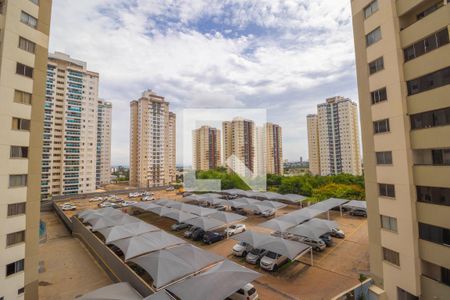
(254, 256)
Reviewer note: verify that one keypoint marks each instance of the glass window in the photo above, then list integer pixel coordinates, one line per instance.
(19, 152)
(15, 267)
(370, 9)
(378, 95)
(404, 295)
(391, 256)
(441, 156)
(35, 2)
(27, 45)
(20, 124)
(22, 97)
(445, 276)
(28, 20)
(384, 158)
(440, 117)
(373, 36)
(386, 190)
(16, 209)
(18, 180)
(24, 70)
(429, 10)
(15, 238)
(376, 65)
(389, 223)
(434, 234)
(429, 43)
(429, 81)
(381, 126)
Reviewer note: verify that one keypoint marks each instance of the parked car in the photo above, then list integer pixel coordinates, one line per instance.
(148, 198)
(127, 203)
(268, 212)
(317, 244)
(240, 211)
(96, 199)
(272, 261)
(235, 229)
(241, 249)
(358, 212)
(248, 292)
(179, 226)
(189, 231)
(211, 237)
(198, 234)
(337, 233)
(326, 238)
(148, 194)
(221, 207)
(170, 188)
(254, 256)
(105, 204)
(68, 206)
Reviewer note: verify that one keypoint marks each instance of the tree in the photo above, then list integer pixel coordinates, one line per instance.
(336, 190)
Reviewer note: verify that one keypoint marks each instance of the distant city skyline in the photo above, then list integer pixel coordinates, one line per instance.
(209, 55)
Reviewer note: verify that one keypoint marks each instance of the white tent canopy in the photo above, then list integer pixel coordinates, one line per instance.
(117, 291)
(217, 283)
(166, 266)
(205, 223)
(119, 232)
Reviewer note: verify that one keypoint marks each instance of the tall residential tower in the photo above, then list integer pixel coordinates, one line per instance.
(24, 35)
(206, 148)
(334, 136)
(104, 126)
(269, 150)
(152, 141)
(403, 67)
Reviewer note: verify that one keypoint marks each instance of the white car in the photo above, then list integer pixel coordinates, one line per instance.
(148, 194)
(128, 203)
(68, 206)
(96, 199)
(241, 249)
(148, 198)
(338, 233)
(133, 195)
(105, 204)
(170, 188)
(235, 229)
(268, 212)
(272, 261)
(248, 292)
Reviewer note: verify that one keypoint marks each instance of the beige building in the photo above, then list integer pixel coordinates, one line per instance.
(152, 141)
(334, 137)
(104, 127)
(403, 67)
(24, 30)
(206, 148)
(69, 161)
(269, 149)
(239, 139)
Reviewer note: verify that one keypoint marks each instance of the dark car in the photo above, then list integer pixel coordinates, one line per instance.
(198, 234)
(211, 237)
(240, 211)
(358, 212)
(327, 239)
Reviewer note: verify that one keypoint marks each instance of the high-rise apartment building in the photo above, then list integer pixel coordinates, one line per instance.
(104, 126)
(334, 136)
(269, 149)
(239, 140)
(152, 141)
(403, 68)
(206, 148)
(69, 161)
(24, 36)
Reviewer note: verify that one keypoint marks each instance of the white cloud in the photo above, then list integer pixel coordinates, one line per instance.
(285, 55)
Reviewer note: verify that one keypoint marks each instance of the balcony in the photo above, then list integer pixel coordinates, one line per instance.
(427, 213)
(432, 175)
(403, 6)
(427, 63)
(429, 138)
(435, 253)
(429, 100)
(432, 289)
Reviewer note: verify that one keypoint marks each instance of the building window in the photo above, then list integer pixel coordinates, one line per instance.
(433, 195)
(428, 119)
(381, 126)
(440, 157)
(378, 95)
(35, 2)
(24, 70)
(27, 45)
(28, 20)
(389, 223)
(434, 234)
(15, 238)
(15, 267)
(371, 9)
(429, 81)
(386, 190)
(16, 209)
(20, 124)
(18, 180)
(376, 65)
(404, 295)
(431, 42)
(429, 10)
(22, 97)
(373, 36)
(2, 4)
(19, 152)
(384, 158)
(391, 256)
(445, 276)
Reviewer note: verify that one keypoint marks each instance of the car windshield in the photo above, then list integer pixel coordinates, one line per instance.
(255, 251)
(272, 255)
(243, 244)
(233, 227)
(251, 291)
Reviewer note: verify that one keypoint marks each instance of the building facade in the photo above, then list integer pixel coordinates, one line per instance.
(104, 126)
(403, 70)
(152, 141)
(24, 36)
(239, 141)
(69, 161)
(336, 130)
(206, 148)
(273, 149)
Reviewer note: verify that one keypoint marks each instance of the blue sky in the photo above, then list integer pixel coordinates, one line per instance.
(285, 56)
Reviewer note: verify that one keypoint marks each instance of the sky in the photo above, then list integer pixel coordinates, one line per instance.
(284, 56)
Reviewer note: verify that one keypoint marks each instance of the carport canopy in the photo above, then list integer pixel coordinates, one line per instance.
(247, 200)
(168, 265)
(205, 223)
(272, 204)
(227, 217)
(217, 283)
(253, 238)
(292, 198)
(308, 231)
(328, 204)
(198, 210)
(178, 215)
(322, 224)
(124, 231)
(356, 204)
(109, 221)
(300, 215)
(161, 295)
(144, 205)
(277, 225)
(116, 291)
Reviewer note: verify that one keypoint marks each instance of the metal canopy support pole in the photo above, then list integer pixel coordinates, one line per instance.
(340, 209)
(311, 251)
(328, 214)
